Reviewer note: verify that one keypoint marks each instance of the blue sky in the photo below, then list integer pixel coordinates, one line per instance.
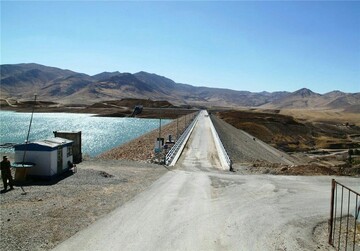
(253, 46)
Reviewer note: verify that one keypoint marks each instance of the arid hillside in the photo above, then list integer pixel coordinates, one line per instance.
(21, 81)
(293, 131)
(111, 108)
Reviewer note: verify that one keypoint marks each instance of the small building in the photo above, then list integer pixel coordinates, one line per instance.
(50, 156)
(75, 136)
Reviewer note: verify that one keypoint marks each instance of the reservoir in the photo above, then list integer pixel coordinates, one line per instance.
(99, 134)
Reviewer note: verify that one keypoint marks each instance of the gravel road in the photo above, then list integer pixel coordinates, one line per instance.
(197, 206)
(51, 212)
(187, 210)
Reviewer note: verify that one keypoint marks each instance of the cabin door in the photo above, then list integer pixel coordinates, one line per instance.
(59, 160)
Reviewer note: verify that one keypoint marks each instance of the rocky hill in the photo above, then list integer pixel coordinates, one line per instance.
(21, 81)
(305, 98)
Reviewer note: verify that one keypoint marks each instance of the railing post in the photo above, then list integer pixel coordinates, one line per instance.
(333, 183)
(357, 211)
(336, 237)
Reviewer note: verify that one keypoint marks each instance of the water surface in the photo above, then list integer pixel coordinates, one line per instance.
(99, 134)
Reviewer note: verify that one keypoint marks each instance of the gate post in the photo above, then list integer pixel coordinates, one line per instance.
(333, 182)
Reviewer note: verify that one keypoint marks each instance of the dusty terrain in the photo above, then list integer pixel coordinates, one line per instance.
(60, 209)
(318, 141)
(300, 130)
(51, 212)
(208, 210)
(199, 206)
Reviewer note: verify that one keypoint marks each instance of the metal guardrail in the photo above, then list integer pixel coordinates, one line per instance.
(179, 143)
(222, 148)
(343, 226)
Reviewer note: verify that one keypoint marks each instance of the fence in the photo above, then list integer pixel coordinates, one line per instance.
(344, 225)
(173, 154)
(224, 157)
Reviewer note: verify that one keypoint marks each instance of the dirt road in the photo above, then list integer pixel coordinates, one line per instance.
(200, 207)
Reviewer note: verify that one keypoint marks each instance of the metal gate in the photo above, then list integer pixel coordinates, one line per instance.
(344, 223)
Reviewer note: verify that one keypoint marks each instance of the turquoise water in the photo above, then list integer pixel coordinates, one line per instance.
(99, 134)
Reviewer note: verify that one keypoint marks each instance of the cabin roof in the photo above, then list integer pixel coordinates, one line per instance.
(44, 145)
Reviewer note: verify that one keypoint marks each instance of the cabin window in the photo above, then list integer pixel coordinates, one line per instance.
(69, 151)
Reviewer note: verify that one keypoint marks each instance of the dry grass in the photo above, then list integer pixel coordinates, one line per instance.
(330, 116)
(278, 130)
(298, 130)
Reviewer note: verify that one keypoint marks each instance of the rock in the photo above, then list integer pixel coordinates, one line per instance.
(105, 174)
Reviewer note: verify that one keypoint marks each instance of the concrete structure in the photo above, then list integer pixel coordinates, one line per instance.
(50, 156)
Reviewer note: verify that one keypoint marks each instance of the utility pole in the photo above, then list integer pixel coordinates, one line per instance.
(160, 130)
(177, 128)
(185, 122)
(28, 133)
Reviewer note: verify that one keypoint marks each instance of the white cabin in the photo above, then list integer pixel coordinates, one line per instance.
(50, 156)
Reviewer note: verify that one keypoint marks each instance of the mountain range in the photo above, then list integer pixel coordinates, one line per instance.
(21, 81)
